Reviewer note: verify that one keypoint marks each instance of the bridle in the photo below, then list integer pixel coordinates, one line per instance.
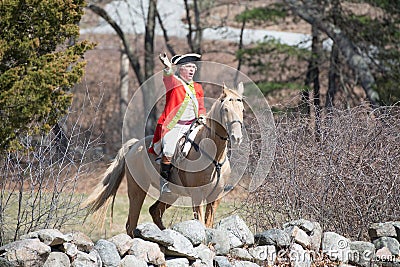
(218, 165)
(227, 125)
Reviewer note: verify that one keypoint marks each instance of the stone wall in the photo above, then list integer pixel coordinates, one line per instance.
(299, 243)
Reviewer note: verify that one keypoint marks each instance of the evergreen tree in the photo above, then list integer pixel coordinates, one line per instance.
(374, 35)
(37, 67)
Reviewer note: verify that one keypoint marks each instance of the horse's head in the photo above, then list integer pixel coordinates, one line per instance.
(230, 109)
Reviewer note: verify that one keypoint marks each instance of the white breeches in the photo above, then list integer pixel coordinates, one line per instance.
(171, 138)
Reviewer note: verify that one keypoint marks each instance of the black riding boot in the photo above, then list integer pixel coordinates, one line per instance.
(165, 172)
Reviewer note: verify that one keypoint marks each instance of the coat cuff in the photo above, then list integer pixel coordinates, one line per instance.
(168, 71)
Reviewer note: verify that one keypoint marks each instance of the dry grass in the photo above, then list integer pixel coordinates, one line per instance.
(171, 217)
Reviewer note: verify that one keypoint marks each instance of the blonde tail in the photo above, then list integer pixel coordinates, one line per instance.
(98, 201)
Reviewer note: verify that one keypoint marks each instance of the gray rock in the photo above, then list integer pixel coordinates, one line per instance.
(148, 251)
(336, 247)
(27, 252)
(219, 240)
(383, 254)
(70, 249)
(362, 253)
(50, 237)
(57, 259)
(394, 263)
(377, 230)
(316, 237)
(85, 260)
(238, 230)
(299, 257)
(6, 263)
(298, 236)
(95, 255)
(303, 224)
(123, 242)
(177, 262)
(150, 232)
(396, 226)
(391, 243)
(198, 263)
(82, 241)
(241, 253)
(205, 255)
(108, 253)
(264, 253)
(193, 230)
(222, 261)
(349, 265)
(244, 264)
(274, 237)
(181, 247)
(131, 260)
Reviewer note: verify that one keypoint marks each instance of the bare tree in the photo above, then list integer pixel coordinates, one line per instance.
(310, 11)
(148, 97)
(133, 58)
(38, 182)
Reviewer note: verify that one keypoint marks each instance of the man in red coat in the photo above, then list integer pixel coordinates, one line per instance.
(184, 104)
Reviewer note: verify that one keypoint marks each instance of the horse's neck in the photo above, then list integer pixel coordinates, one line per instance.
(217, 131)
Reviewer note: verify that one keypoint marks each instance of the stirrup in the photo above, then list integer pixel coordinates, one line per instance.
(164, 187)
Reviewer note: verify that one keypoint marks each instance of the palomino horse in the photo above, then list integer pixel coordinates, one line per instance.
(205, 185)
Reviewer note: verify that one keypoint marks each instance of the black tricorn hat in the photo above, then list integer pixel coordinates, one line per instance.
(186, 58)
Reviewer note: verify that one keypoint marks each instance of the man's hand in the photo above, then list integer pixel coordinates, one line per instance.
(164, 60)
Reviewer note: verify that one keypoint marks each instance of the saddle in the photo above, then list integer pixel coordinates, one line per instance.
(186, 143)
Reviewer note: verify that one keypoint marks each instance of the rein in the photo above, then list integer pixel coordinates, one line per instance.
(218, 165)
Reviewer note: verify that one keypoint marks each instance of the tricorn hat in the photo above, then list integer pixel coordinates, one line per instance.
(186, 58)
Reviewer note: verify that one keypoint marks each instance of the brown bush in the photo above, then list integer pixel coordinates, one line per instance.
(346, 179)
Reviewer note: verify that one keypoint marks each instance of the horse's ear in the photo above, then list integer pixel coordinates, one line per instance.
(240, 89)
(224, 86)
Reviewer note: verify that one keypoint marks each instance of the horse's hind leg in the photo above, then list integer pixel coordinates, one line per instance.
(136, 197)
(158, 208)
(211, 209)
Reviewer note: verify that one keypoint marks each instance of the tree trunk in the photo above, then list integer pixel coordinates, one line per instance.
(190, 29)
(313, 15)
(333, 78)
(240, 59)
(124, 88)
(149, 40)
(316, 48)
(333, 65)
(198, 37)
(134, 61)
(148, 95)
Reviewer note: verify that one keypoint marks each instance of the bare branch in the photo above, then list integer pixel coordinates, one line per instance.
(166, 38)
(312, 15)
(133, 59)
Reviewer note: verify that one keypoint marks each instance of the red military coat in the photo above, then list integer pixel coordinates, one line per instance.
(175, 103)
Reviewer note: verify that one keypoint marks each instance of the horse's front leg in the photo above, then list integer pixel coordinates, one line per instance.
(198, 213)
(211, 210)
(159, 207)
(136, 197)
